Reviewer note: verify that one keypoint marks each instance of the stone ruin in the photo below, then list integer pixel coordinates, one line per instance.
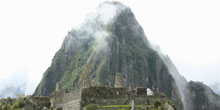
(76, 100)
(141, 91)
(37, 103)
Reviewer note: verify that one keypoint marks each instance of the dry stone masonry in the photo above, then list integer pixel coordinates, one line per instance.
(102, 96)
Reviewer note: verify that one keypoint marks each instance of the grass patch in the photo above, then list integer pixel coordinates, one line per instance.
(116, 106)
(119, 107)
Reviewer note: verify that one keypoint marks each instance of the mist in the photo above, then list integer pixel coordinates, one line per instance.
(180, 80)
(216, 87)
(30, 36)
(95, 26)
(16, 84)
(182, 83)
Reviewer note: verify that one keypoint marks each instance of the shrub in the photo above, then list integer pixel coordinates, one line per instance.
(0, 106)
(19, 103)
(6, 107)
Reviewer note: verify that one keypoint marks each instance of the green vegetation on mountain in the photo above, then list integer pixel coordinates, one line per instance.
(80, 62)
(95, 53)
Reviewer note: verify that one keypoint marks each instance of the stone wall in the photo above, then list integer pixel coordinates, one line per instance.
(65, 100)
(104, 96)
(147, 100)
(104, 92)
(76, 100)
(118, 96)
(37, 103)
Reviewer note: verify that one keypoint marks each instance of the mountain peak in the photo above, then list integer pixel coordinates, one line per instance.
(109, 48)
(108, 44)
(100, 25)
(105, 13)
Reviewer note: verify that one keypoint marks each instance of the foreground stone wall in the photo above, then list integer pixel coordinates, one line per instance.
(37, 103)
(65, 100)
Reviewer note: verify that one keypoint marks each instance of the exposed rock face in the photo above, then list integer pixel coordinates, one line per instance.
(108, 49)
(203, 97)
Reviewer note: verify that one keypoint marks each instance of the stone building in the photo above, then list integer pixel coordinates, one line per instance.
(102, 96)
(76, 100)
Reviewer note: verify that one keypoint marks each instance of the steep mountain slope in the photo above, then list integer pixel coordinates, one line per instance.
(203, 97)
(111, 49)
(194, 95)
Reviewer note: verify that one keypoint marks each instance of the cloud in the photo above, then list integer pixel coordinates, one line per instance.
(16, 84)
(216, 88)
(95, 24)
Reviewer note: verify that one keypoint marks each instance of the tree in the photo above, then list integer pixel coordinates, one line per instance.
(19, 103)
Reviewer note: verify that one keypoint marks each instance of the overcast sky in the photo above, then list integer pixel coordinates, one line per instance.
(31, 31)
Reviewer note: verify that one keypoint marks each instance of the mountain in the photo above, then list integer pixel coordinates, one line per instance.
(110, 49)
